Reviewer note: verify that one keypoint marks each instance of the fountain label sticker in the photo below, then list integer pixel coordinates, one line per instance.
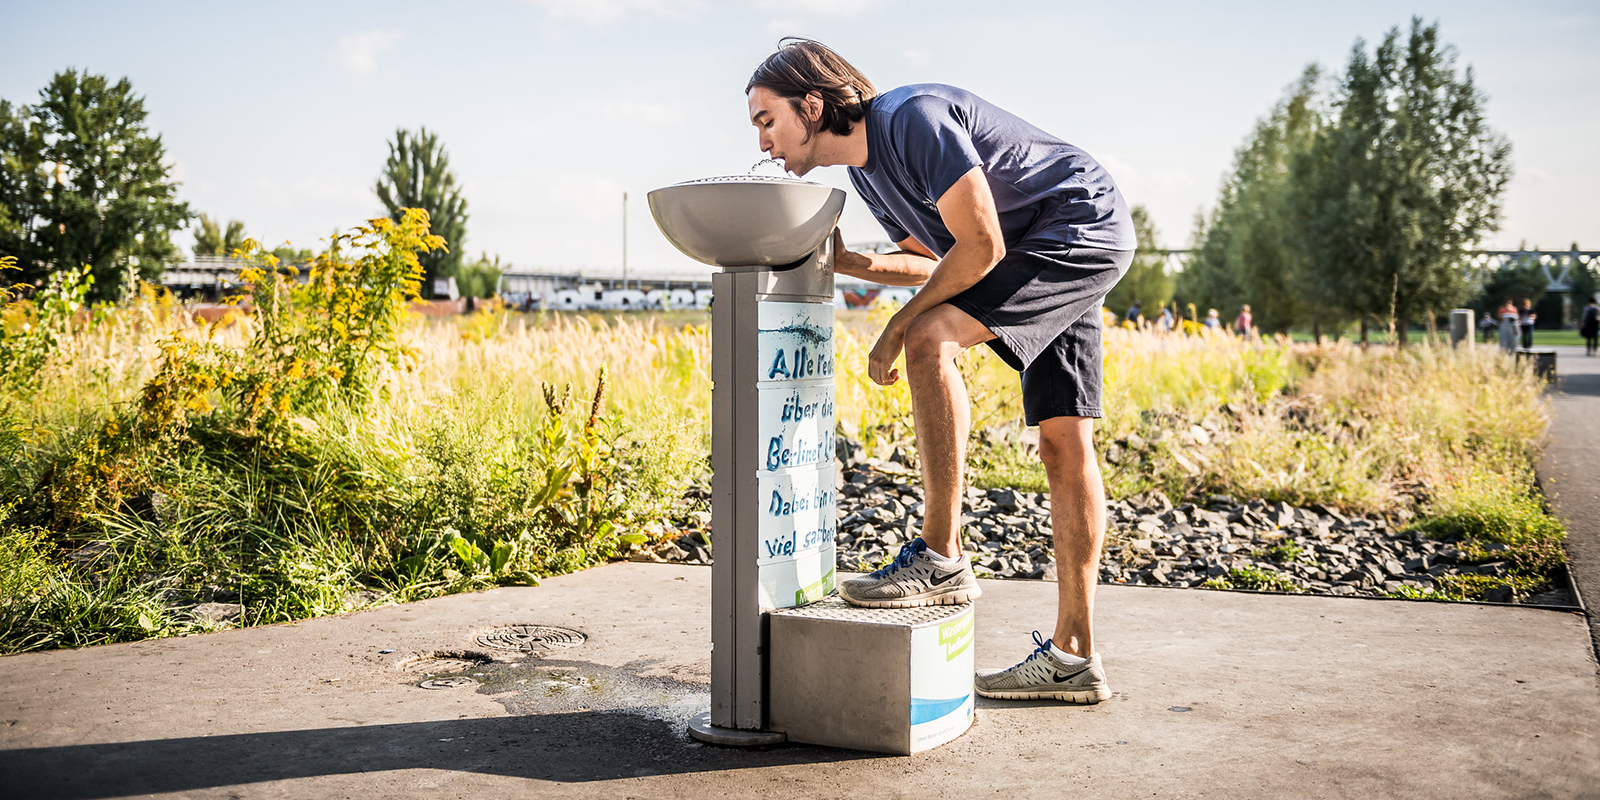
(799, 514)
(794, 342)
(795, 425)
(797, 581)
(942, 662)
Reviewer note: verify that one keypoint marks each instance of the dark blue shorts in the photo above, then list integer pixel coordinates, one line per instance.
(1042, 302)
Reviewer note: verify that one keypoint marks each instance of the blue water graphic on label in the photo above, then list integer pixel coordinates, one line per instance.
(794, 342)
(923, 710)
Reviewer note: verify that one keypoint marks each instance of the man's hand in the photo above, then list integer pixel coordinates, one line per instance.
(880, 362)
(847, 263)
(911, 266)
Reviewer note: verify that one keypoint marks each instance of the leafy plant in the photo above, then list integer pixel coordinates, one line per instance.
(332, 335)
(1284, 552)
(1254, 579)
(33, 331)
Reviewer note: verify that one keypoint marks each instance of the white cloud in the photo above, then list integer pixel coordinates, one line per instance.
(648, 113)
(359, 52)
(827, 8)
(1120, 170)
(586, 197)
(595, 12)
(1537, 177)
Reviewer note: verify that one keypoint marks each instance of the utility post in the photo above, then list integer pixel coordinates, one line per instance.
(624, 240)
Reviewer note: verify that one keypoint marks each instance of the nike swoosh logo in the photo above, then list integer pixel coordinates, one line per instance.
(939, 579)
(1059, 678)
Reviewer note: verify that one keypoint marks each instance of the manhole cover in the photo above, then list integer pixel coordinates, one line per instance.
(447, 683)
(445, 662)
(530, 638)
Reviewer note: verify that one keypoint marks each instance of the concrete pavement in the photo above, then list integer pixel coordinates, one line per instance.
(1569, 470)
(1285, 697)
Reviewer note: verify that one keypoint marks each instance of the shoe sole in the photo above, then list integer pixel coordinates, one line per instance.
(953, 596)
(1089, 697)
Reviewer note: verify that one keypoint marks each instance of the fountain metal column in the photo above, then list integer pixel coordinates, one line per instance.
(773, 508)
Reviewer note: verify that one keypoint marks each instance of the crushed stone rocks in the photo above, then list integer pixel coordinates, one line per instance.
(1251, 544)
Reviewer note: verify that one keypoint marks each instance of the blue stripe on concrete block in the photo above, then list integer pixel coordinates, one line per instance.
(930, 710)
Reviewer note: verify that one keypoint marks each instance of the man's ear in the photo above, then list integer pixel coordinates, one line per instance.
(813, 107)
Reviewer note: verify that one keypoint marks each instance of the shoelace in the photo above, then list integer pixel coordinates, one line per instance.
(908, 553)
(1043, 645)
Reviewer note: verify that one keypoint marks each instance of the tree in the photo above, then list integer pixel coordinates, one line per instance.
(1514, 281)
(480, 278)
(82, 181)
(289, 254)
(211, 240)
(417, 175)
(1146, 280)
(1408, 176)
(1585, 279)
(1249, 250)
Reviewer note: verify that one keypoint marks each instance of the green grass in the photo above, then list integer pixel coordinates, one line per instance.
(1254, 579)
(1284, 552)
(1541, 338)
(1553, 338)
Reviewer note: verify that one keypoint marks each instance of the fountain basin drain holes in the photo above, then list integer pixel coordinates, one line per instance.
(445, 661)
(532, 639)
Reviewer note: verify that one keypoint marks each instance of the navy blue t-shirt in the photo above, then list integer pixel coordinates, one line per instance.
(922, 138)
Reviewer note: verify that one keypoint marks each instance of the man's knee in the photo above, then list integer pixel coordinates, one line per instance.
(1067, 443)
(941, 333)
(929, 340)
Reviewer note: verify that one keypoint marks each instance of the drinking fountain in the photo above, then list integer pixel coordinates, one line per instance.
(789, 662)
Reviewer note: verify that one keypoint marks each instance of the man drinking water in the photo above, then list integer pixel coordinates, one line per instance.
(1015, 238)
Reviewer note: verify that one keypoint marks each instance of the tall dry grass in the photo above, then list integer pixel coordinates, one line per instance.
(383, 497)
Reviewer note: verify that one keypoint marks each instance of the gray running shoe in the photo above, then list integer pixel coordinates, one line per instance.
(912, 579)
(1041, 676)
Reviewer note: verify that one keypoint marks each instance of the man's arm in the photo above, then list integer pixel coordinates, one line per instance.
(909, 266)
(967, 209)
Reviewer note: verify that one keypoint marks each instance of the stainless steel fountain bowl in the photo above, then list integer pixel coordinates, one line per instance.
(747, 220)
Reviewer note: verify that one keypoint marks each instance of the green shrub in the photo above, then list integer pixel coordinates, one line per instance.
(34, 331)
(25, 566)
(1489, 507)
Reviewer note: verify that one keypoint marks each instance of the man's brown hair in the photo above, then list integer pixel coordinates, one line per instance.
(803, 66)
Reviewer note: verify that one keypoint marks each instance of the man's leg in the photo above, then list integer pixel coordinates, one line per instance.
(1078, 516)
(942, 416)
(1078, 520)
(918, 576)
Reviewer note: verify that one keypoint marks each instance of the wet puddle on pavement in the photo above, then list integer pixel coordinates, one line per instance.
(549, 686)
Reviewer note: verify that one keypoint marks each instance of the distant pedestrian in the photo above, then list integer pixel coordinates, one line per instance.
(1244, 322)
(1525, 321)
(1164, 324)
(1589, 326)
(1213, 322)
(1133, 313)
(1508, 325)
(1486, 327)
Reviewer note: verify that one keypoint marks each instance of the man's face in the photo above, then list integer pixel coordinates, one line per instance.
(781, 131)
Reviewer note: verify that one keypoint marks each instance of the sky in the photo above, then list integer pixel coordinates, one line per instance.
(279, 114)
